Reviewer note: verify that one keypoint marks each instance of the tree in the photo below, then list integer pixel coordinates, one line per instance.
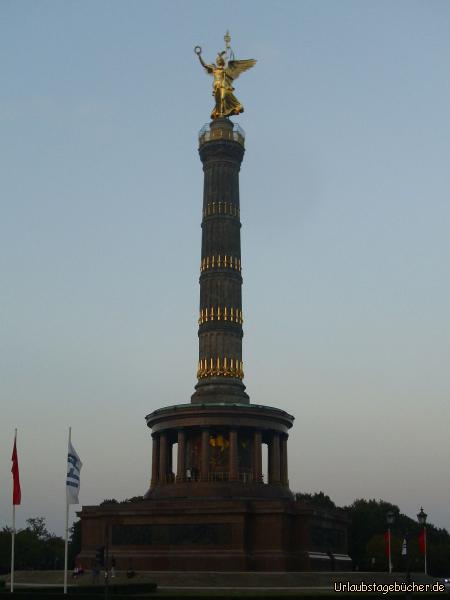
(5, 550)
(368, 518)
(35, 547)
(37, 526)
(74, 542)
(319, 499)
(367, 529)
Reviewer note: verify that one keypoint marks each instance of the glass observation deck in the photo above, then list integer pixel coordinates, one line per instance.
(208, 133)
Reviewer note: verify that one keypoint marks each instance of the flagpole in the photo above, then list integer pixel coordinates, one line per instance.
(389, 549)
(66, 545)
(12, 547)
(425, 548)
(13, 535)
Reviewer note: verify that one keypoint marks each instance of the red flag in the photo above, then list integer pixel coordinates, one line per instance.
(386, 543)
(15, 473)
(422, 541)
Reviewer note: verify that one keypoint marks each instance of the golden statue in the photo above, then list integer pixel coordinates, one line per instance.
(225, 70)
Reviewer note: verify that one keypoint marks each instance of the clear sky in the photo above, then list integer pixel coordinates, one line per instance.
(345, 191)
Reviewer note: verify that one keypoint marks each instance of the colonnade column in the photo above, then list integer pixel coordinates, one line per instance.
(234, 475)
(284, 460)
(155, 459)
(274, 458)
(257, 456)
(181, 457)
(162, 458)
(169, 461)
(204, 467)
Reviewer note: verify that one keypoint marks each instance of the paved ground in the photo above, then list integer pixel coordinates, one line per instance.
(220, 583)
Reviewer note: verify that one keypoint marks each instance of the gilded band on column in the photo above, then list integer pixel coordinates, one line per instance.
(221, 208)
(220, 261)
(220, 367)
(221, 314)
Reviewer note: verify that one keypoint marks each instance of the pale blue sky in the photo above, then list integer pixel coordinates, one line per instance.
(345, 240)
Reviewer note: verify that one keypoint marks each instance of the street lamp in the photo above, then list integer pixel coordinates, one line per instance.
(422, 518)
(390, 518)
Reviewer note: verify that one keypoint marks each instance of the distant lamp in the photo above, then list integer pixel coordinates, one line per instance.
(390, 517)
(422, 517)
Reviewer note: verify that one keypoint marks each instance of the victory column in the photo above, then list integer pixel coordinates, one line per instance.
(222, 507)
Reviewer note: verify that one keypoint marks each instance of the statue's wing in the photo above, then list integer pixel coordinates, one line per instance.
(236, 67)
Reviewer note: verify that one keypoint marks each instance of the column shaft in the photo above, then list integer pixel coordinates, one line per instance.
(162, 458)
(284, 461)
(181, 457)
(204, 467)
(274, 449)
(169, 461)
(257, 456)
(155, 459)
(220, 368)
(234, 474)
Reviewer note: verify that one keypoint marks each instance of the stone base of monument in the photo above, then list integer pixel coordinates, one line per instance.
(235, 534)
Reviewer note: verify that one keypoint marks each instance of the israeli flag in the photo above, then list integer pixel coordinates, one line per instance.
(74, 465)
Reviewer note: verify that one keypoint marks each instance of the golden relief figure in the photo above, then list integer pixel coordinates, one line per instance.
(224, 71)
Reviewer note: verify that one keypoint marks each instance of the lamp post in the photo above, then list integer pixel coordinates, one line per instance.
(390, 518)
(422, 518)
(405, 553)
